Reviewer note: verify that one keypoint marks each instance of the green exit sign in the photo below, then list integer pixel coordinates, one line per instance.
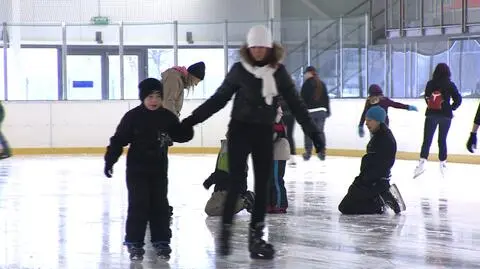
(100, 20)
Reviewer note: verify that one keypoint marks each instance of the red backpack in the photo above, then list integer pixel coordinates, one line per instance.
(435, 100)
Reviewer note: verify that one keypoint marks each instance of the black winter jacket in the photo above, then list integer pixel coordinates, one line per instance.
(249, 104)
(380, 157)
(308, 93)
(148, 133)
(449, 91)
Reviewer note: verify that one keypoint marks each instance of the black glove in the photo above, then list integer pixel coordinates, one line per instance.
(472, 142)
(187, 130)
(318, 142)
(108, 170)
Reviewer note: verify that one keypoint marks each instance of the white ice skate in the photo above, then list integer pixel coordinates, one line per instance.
(443, 168)
(420, 168)
(292, 162)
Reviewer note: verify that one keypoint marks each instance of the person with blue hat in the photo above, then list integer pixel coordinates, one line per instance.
(371, 190)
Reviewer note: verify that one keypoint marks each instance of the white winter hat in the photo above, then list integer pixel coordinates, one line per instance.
(259, 36)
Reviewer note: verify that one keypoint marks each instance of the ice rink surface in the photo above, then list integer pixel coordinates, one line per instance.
(61, 212)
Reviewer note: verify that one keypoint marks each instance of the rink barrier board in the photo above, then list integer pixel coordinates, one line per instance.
(453, 158)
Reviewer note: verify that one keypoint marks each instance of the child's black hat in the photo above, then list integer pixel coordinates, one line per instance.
(148, 86)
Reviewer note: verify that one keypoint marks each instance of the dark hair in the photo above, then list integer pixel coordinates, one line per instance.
(441, 71)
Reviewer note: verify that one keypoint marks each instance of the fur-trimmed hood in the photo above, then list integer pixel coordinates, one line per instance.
(277, 56)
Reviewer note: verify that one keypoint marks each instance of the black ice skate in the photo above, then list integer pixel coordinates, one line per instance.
(162, 249)
(398, 197)
(223, 243)
(249, 201)
(136, 251)
(259, 249)
(392, 201)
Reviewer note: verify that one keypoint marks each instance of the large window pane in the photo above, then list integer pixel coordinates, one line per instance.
(159, 60)
(214, 72)
(84, 77)
(130, 72)
(32, 73)
(464, 65)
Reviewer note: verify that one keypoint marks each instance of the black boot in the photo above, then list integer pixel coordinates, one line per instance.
(136, 251)
(223, 243)
(162, 249)
(249, 201)
(259, 249)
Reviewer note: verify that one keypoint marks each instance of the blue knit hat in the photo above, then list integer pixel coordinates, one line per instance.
(377, 113)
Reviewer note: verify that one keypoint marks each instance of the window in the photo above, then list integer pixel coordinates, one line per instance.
(32, 74)
(2, 79)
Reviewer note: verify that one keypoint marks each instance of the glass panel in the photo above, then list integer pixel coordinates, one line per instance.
(84, 77)
(413, 8)
(159, 60)
(452, 12)
(473, 9)
(2, 80)
(131, 79)
(376, 66)
(214, 71)
(433, 12)
(32, 73)
(201, 34)
(92, 35)
(398, 66)
(429, 55)
(464, 63)
(393, 14)
(294, 40)
(237, 31)
(353, 57)
(233, 56)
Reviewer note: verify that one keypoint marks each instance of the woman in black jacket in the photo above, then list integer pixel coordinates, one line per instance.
(314, 93)
(472, 140)
(438, 93)
(255, 81)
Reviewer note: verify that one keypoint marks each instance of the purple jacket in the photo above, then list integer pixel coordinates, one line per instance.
(385, 103)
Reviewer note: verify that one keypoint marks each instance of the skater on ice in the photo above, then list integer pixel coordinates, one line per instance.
(221, 179)
(315, 95)
(146, 129)
(439, 92)
(255, 81)
(371, 190)
(375, 97)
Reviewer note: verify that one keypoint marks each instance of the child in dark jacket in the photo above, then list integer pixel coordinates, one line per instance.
(376, 98)
(371, 190)
(222, 181)
(147, 128)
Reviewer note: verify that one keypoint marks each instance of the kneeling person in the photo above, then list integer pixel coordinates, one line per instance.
(371, 190)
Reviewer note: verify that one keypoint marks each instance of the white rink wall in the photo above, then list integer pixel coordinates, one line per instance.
(66, 124)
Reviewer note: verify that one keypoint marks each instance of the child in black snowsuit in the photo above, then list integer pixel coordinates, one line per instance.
(221, 180)
(147, 128)
(370, 191)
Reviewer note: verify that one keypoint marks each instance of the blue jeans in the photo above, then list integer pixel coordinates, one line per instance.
(431, 123)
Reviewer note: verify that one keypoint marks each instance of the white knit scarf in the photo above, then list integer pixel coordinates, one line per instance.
(269, 86)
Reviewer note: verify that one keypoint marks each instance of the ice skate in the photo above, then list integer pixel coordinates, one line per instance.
(420, 168)
(136, 251)
(249, 201)
(321, 156)
(259, 248)
(162, 249)
(223, 242)
(306, 156)
(395, 202)
(292, 162)
(443, 168)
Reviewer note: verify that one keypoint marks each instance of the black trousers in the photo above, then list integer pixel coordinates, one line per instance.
(245, 138)
(363, 197)
(147, 203)
(278, 193)
(290, 122)
(431, 123)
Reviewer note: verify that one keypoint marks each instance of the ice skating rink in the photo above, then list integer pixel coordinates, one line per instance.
(61, 212)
